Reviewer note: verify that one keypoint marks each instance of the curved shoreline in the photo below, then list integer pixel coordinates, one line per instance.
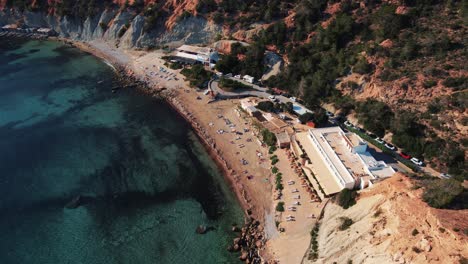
(252, 230)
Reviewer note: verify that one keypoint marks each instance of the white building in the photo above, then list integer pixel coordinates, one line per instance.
(205, 55)
(339, 160)
(248, 78)
(249, 106)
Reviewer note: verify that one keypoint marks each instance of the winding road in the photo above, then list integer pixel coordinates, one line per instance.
(258, 92)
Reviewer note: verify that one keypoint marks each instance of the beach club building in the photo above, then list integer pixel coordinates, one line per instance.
(334, 160)
(205, 55)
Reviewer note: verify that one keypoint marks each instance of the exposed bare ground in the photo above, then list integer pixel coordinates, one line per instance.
(385, 218)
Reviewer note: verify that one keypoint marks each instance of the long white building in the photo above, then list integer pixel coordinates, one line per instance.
(205, 55)
(338, 160)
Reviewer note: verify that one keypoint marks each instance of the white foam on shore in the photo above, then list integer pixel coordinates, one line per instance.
(109, 64)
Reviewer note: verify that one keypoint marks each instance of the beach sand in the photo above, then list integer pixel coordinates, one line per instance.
(252, 182)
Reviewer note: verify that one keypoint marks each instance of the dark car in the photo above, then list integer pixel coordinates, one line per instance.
(404, 155)
(390, 146)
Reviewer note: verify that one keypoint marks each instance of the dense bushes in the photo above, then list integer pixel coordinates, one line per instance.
(306, 117)
(362, 67)
(278, 181)
(440, 193)
(455, 82)
(266, 106)
(251, 64)
(346, 222)
(75, 8)
(315, 66)
(346, 198)
(376, 116)
(408, 133)
(153, 13)
(388, 22)
(197, 75)
(280, 207)
(313, 252)
(268, 137)
(232, 85)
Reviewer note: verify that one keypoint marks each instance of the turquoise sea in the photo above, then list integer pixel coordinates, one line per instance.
(146, 182)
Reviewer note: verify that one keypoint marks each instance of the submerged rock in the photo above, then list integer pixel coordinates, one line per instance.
(74, 203)
(201, 229)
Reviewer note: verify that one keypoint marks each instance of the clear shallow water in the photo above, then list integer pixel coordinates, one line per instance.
(147, 181)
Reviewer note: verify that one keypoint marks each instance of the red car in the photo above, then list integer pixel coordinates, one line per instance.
(404, 155)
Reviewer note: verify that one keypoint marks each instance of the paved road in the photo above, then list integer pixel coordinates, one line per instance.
(258, 92)
(261, 92)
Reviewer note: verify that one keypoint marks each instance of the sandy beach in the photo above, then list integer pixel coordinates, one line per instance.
(231, 138)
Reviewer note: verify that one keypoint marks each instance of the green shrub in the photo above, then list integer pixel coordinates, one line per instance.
(196, 75)
(274, 161)
(362, 67)
(274, 170)
(439, 193)
(272, 149)
(455, 82)
(268, 137)
(280, 207)
(266, 106)
(376, 116)
(279, 186)
(232, 85)
(429, 83)
(416, 249)
(346, 222)
(346, 198)
(103, 26)
(378, 212)
(304, 118)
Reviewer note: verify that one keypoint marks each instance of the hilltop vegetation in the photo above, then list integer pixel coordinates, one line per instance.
(398, 66)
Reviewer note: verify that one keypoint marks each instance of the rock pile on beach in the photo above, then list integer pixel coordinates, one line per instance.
(250, 241)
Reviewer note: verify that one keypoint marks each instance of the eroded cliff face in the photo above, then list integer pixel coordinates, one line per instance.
(391, 224)
(120, 26)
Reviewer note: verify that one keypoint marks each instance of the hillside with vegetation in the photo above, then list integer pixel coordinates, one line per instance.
(396, 65)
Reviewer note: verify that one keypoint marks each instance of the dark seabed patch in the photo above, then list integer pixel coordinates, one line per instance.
(142, 179)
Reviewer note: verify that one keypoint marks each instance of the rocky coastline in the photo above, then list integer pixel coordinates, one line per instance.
(251, 239)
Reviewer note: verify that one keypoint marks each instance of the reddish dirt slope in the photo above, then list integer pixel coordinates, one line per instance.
(436, 241)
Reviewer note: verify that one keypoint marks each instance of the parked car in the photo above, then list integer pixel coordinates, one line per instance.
(237, 76)
(272, 98)
(362, 130)
(380, 140)
(293, 99)
(417, 161)
(390, 146)
(445, 176)
(404, 155)
(329, 114)
(348, 124)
